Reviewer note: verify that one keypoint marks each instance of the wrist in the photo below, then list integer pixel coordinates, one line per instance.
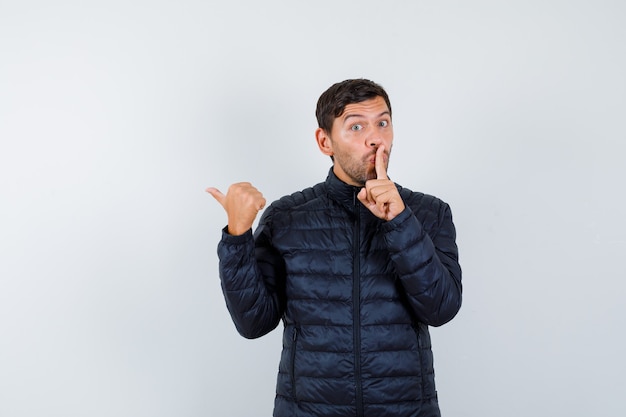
(236, 230)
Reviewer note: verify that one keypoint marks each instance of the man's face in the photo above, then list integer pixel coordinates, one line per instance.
(354, 138)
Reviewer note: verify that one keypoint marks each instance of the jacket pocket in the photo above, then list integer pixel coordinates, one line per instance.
(420, 359)
(294, 345)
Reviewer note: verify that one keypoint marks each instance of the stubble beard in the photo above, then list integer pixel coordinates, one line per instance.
(359, 171)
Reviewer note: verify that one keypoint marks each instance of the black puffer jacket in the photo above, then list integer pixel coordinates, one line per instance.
(356, 295)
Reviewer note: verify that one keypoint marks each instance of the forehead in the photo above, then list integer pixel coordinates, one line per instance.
(373, 107)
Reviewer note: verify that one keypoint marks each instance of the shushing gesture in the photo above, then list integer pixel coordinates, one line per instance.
(242, 203)
(380, 195)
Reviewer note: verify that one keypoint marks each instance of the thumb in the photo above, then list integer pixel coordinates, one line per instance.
(362, 196)
(217, 194)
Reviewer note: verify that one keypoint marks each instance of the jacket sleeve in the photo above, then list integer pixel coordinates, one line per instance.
(427, 265)
(250, 274)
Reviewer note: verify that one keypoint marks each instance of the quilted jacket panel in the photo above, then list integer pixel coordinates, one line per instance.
(356, 295)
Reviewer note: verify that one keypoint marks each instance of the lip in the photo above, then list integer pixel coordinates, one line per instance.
(372, 159)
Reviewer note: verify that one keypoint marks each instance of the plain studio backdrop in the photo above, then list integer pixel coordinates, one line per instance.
(116, 115)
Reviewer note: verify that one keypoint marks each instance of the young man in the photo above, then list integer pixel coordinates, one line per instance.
(357, 268)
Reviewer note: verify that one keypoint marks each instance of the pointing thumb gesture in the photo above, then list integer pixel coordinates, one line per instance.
(242, 203)
(217, 194)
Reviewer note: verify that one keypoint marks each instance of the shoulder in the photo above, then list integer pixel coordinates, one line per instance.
(304, 199)
(297, 208)
(427, 208)
(421, 200)
(307, 200)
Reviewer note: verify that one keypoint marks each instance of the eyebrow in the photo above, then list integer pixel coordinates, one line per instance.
(386, 112)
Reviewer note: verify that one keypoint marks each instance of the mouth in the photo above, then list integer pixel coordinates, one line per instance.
(372, 158)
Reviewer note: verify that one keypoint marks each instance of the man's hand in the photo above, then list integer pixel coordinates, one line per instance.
(242, 203)
(381, 196)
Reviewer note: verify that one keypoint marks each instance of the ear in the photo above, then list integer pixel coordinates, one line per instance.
(324, 142)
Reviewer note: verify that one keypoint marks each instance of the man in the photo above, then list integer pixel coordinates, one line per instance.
(357, 268)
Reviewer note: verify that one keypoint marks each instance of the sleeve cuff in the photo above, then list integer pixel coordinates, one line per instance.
(397, 221)
(234, 240)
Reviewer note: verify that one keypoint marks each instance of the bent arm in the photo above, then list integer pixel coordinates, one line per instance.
(427, 266)
(249, 274)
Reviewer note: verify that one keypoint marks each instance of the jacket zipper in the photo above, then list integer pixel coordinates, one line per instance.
(294, 340)
(356, 302)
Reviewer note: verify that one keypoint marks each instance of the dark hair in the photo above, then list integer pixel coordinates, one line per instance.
(333, 101)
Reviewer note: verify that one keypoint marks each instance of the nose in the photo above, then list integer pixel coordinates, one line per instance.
(374, 140)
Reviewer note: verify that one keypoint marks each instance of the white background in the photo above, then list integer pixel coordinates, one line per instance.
(115, 115)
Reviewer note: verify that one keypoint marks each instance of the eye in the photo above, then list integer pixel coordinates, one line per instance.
(356, 128)
(383, 123)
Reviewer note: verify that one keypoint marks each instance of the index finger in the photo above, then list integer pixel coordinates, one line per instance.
(381, 170)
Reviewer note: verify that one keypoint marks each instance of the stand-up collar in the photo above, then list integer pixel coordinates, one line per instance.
(342, 193)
